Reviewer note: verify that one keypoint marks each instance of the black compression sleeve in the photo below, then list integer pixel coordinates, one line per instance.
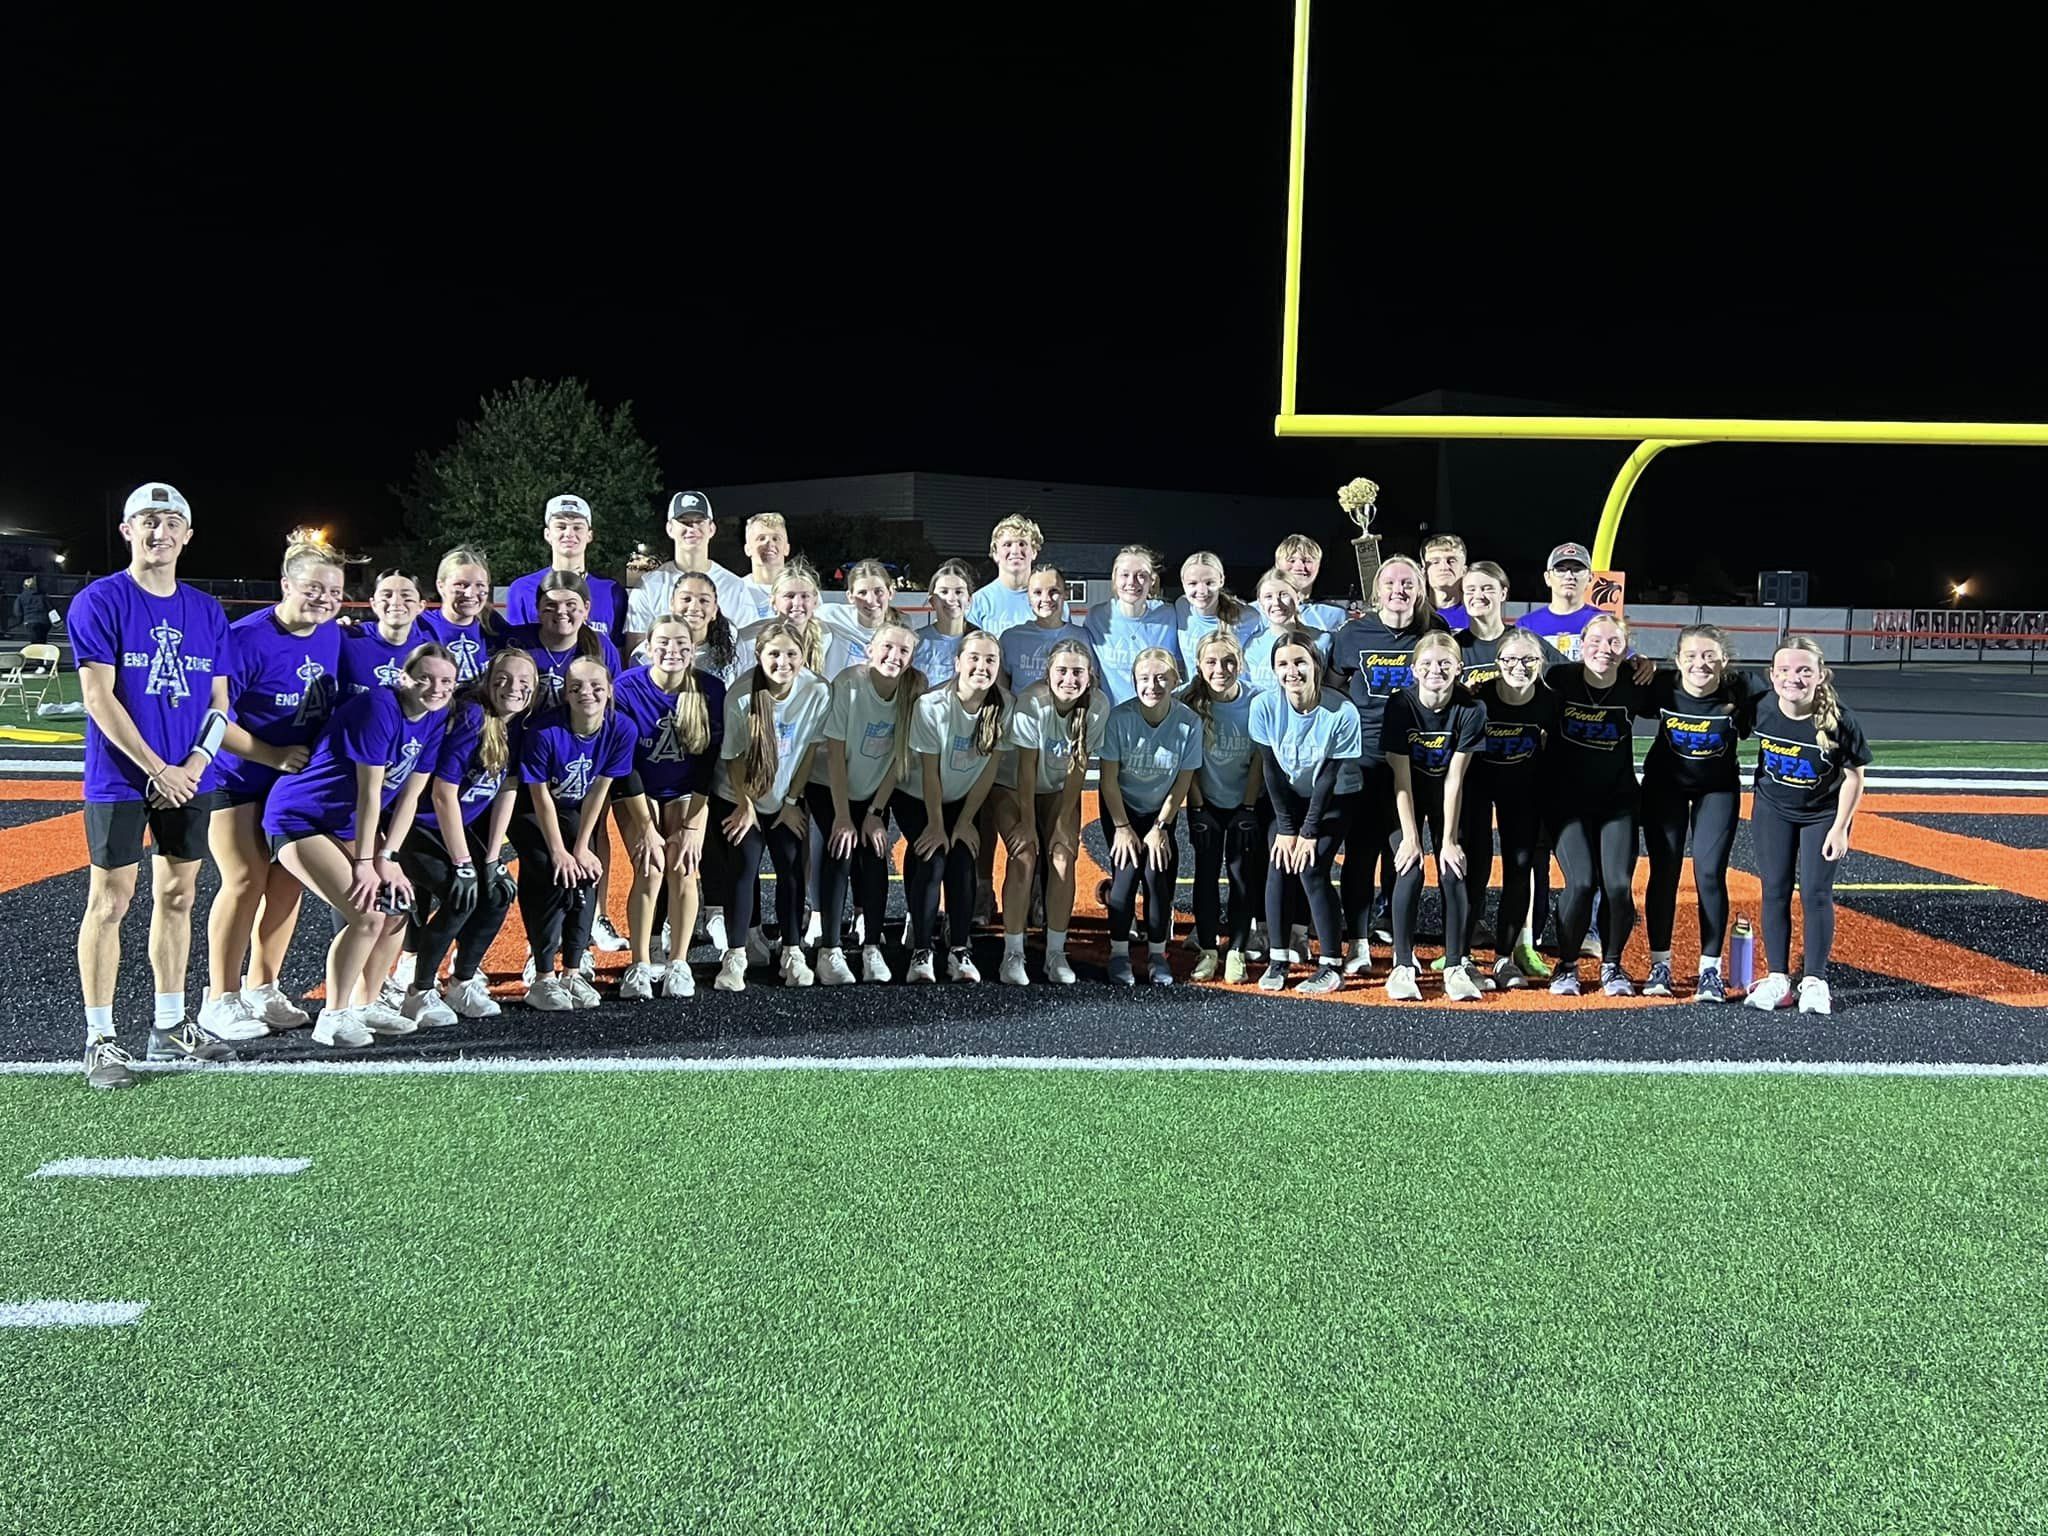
(1289, 806)
(1319, 799)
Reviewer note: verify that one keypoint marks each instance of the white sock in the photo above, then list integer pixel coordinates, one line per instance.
(1660, 957)
(1013, 944)
(1710, 962)
(170, 1009)
(1119, 946)
(1055, 941)
(99, 1023)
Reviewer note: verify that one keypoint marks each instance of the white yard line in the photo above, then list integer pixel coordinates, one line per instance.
(484, 1066)
(69, 1314)
(171, 1167)
(41, 765)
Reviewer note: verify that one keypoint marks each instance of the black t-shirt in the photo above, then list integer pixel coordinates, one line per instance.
(1516, 735)
(1376, 663)
(1695, 745)
(1481, 658)
(1592, 752)
(1430, 738)
(1801, 780)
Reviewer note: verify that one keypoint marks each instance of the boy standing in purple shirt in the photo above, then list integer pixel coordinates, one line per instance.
(566, 525)
(153, 667)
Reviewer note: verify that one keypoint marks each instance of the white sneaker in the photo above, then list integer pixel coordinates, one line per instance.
(637, 985)
(758, 952)
(732, 972)
(714, 928)
(921, 967)
(1357, 963)
(340, 1026)
(380, 1020)
(794, 972)
(1771, 992)
(277, 1011)
(227, 1017)
(1402, 986)
(581, 992)
(408, 963)
(426, 1009)
(960, 966)
(587, 966)
(814, 929)
(527, 972)
(1460, 985)
(872, 966)
(549, 995)
(1814, 996)
(677, 980)
(391, 996)
(472, 998)
(833, 970)
(607, 938)
(1011, 972)
(1057, 971)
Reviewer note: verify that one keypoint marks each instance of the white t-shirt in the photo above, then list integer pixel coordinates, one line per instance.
(842, 620)
(744, 653)
(650, 600)
(799, 720)
(1041, 728)
(866, 723)
(946, 731)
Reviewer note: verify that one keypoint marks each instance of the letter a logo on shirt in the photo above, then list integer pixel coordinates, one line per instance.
(312, 697)
(465, 651)
(166, 666)
(574, 784)
(668, 744)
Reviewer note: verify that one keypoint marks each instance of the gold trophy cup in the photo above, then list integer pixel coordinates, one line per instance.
(1358, 500)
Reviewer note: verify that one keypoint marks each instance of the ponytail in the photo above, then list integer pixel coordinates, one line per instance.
(761, 761)
(693, 714)
(988, 720)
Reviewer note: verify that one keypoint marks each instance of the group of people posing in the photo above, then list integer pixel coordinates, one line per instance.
(422, 768)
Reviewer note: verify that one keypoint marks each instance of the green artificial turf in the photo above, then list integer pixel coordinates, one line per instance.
(1011, 1302)
(1931, 754)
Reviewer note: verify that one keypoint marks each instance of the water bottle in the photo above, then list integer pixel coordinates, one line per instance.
(1741, 954)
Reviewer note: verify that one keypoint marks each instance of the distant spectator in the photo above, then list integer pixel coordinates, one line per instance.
(32, 612)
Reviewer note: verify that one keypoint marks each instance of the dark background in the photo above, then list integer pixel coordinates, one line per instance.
(270, 265)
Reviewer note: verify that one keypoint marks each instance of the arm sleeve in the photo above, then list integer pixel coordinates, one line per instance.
(533, 758)
(620, 739)
(92, 635)
(1289, 805)
(1471, 728)
(1319, 798)
(519, 603)
(735, 743)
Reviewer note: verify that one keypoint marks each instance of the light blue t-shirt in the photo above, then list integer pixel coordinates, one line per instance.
(1027, 651)
(1193, 628)
(1118, 639)
(1304, 741)
(1258, 658)
(1150, 757)
(1328, 617)
(1227, 752)
(996, 608)
(936, 655)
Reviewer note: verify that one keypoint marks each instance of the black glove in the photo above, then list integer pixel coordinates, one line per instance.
(504, 888)
(462, 894)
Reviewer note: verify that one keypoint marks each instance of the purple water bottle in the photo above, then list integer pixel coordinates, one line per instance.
(1741, 955)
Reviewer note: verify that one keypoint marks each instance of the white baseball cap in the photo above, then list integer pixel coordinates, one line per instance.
(156, 496)
(688, 506)
(568, 506)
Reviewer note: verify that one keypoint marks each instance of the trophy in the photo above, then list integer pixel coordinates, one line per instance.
(1357, 500)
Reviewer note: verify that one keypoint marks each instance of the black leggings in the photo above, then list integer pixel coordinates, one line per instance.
(557, 917)
(432, 927)
(1596, 846)
(1158, 884)
(1429, 814)
(1314, 882)
(870, 871)
(953, 869)
(786, 852)
(1228, 840)
(1520, 818)
(1784, 848)
(1712, 813)
(1368, 818)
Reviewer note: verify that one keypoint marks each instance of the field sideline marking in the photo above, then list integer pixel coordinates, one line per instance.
(69, 1314)
(485, 1066)
(170, 1167)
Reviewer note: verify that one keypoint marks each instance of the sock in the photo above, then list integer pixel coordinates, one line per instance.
(1660, 957)
(170, 1009)
(1055, 940)
(1710, 961)
(99, 1022)
(1013, 944)
(1330, 961)
(1119, 946)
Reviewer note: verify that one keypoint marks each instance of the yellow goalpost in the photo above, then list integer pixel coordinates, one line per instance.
(1653, 434)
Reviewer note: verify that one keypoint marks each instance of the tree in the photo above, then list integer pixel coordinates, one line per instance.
(530, 442)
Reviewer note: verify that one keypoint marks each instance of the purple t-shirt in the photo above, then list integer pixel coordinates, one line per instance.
(460, 762)
(668, 769)
(607, 601)
(1560, 629)
(281, 689)
(368, 728)
(165, 652)
(556, 756)
(472, 645)
(553, 664)
(1455, 616)
(370, 661)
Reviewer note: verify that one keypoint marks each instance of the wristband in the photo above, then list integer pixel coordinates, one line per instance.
(463, 864)
(369, 858)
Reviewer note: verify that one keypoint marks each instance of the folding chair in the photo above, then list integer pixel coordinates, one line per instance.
(12, 679)
(43, 663)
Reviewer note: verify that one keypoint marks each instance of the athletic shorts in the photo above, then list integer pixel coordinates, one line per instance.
(1045, 813)
(114, 828)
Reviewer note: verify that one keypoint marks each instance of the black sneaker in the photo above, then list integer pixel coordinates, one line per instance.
(187, 1042)
(107, 1065)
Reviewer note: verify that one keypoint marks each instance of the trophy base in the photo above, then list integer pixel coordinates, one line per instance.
(1366, 551)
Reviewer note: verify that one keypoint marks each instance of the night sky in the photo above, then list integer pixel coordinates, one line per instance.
(270, 266)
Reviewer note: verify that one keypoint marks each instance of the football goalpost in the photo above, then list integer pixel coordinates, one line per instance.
(1652, 434)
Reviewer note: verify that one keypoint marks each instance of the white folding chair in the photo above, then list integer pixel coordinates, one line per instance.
(40, 673)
